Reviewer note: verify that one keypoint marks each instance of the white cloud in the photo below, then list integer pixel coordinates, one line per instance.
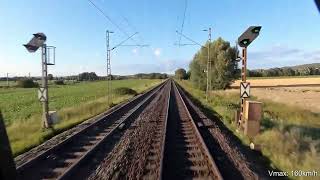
(157, 52)
(279, 56)
(135, 51)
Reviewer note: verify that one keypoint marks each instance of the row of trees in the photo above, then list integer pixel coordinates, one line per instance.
(284, 72)
(86, 76)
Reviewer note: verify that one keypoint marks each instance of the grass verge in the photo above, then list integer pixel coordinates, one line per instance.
(74, 104)
(290, 136)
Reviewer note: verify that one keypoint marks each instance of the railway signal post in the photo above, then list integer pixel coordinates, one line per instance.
(47, 58)
(244, 41)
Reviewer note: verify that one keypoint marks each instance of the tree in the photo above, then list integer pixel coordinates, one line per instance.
(223, 67)
(50, 77)
(180, 73)
(88, 76)
(188, 74)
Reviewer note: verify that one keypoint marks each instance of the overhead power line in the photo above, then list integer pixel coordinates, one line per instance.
(184, 17)
(109, 19)
(195, 43)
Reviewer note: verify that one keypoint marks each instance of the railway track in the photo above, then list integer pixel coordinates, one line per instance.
(173, 149)
(64, 159)
(177, 150)
(184, 154)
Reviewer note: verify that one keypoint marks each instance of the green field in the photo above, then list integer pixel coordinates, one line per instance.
(73, 102)
(290, 136)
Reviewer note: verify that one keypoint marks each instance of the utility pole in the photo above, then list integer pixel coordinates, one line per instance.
(108, 66)
(208, 66)
(109, 78)
(209, 59)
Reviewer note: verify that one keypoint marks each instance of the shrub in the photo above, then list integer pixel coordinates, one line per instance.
(125, 91)
(59, 82)
(27, 83)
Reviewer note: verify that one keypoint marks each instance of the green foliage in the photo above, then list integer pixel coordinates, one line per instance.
(301, 70)
(86, 76)
(124, 91)
(223, 67)
(148, 76)
(59, 82)
(188, 75)
(27, 83)
(50, 77)
(289, 137)
(180, 74)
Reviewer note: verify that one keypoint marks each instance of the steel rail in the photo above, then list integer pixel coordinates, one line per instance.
(202, 146)
(143, 98)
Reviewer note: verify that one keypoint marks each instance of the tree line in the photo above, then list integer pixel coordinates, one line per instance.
(286, 71)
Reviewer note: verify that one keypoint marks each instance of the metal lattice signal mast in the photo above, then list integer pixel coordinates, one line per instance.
(108, 66)
(33, 45)
(109, 78)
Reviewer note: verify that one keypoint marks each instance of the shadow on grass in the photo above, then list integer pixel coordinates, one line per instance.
(312, 132)
(267, 123)
(257, 162)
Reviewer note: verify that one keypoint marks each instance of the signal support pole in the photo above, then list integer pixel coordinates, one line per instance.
(32, 46)
(244, 41)
(44, 84)
(244, 80)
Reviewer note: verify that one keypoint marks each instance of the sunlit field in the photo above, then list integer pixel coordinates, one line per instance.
(289, 136)
(73, 102)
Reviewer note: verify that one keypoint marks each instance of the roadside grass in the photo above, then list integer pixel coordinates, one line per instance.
(74, 104)
(290, 136)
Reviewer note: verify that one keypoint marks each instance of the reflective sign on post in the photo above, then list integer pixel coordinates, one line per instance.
(245, 89)
(42, 94)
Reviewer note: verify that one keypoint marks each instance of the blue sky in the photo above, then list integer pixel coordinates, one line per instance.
(290, 33)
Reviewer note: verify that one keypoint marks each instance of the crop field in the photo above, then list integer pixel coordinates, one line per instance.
(303, 96)
(291, 81)
(289, 135)
(74, 104)
(307, 98)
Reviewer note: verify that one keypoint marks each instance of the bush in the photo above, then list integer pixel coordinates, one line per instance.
(27, 83)
(59, 82)
(125, 91)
